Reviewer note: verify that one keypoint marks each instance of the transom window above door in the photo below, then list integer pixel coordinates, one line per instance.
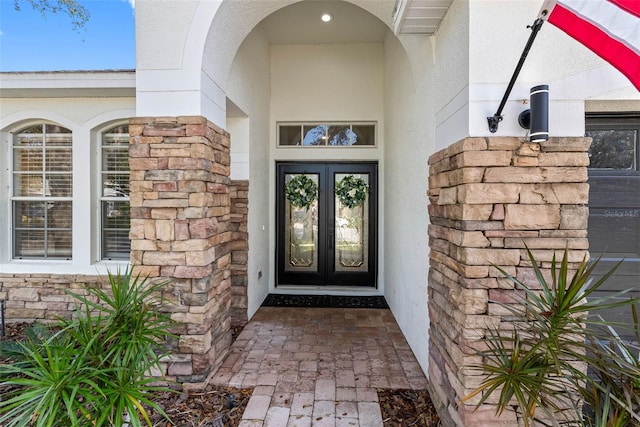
(326, 134)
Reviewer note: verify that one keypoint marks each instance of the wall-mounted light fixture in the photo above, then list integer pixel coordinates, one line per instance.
(536, 119)
(494, 120)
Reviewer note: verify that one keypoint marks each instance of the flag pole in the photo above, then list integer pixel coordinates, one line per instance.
(497, 117)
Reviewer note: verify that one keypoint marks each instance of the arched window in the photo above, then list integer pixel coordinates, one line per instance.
(115, 215)
(42, 192)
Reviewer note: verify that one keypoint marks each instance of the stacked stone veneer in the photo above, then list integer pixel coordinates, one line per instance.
(239, 245)
(488, 198)
(43, 297)
(180, 215)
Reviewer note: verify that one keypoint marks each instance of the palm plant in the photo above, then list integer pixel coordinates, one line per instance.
(94, 370)
(540, 363)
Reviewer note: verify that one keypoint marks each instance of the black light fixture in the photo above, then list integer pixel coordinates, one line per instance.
(536, 119)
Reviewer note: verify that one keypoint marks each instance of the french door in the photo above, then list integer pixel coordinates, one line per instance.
(326, 224)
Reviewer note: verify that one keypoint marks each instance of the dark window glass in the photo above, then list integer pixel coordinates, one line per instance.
(290, 135)
(364, 134)
(613, 148)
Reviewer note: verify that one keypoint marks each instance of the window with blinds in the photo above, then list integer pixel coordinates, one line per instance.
(42, 192)
(114, 200)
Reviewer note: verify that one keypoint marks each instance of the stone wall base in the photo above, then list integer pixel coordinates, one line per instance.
(489, 197)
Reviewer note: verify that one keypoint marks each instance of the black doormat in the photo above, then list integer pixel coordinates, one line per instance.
(336, 301)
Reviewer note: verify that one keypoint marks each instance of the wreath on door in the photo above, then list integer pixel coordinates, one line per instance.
(352, 191)
(301, 191)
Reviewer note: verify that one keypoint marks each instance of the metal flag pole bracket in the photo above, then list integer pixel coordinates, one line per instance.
(497, 117)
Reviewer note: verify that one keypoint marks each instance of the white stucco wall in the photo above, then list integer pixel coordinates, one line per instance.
(85, 117)
(408, 144)
(165, 82)
(327, 82)
(333, 82)
(498, 36)
(450, 92)
(477, 48)
(176, 74)
(249, 89)
(240, 129)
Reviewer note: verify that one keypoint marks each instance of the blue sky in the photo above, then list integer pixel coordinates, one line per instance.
(31, 42)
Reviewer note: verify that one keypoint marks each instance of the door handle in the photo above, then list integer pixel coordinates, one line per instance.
(331, 240)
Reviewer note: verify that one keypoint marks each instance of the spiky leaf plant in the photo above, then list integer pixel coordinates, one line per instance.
(613, 397)
(94, 369)
(540, 364)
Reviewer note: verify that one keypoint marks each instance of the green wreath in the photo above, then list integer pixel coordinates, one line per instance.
(352, 191)
(301, 191)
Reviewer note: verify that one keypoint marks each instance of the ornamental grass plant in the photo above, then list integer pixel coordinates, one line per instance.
(93, 369)
(564, 358)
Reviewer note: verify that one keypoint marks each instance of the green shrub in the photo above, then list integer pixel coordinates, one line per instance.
(92, 370)
(540, 363)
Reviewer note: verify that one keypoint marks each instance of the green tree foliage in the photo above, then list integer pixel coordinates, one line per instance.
(78, 14)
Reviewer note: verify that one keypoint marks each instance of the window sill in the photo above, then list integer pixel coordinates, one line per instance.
(60, 267)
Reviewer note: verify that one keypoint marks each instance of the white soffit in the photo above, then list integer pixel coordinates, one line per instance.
(56, 84)
(419, 16)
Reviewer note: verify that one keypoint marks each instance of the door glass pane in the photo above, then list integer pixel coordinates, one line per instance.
(352, 222)
(301, 224)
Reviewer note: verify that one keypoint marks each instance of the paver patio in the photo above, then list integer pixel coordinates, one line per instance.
(319, 366)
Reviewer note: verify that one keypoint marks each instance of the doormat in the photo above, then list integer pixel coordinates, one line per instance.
(334, 301)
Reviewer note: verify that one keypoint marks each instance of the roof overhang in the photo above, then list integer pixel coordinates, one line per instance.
(68, 84)
(419, 16)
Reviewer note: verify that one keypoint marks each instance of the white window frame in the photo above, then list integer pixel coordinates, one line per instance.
(328, 123)
(44, 198)
(102, 199)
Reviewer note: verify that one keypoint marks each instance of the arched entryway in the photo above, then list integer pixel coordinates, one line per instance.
(241, 69)
(290, 68)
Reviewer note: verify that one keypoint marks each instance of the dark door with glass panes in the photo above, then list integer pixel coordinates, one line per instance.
(326, 224)
(614, 203)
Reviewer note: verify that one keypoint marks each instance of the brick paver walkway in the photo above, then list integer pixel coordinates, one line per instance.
(319, 366)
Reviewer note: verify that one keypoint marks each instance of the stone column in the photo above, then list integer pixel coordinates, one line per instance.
(488, 198)
(239, 191)
(180, 212)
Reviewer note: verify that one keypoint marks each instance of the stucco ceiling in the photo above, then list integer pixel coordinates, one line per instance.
(300, 23)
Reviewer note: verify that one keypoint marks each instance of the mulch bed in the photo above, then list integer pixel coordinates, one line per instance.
(218, 406)
(215, 406)
(402, 408)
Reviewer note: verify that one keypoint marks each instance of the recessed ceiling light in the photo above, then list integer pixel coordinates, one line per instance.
(326, 17)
